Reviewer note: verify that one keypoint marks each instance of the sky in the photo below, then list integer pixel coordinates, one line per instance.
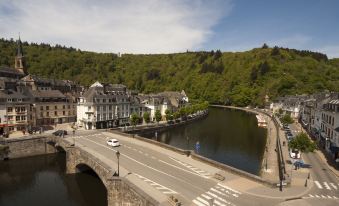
(168, 26)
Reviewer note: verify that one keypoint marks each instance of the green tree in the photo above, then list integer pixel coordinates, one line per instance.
(134, 119)
(286, 119)
(158, 116)
(302, 143)
(176, 115)
(147, 117)
(169, 115)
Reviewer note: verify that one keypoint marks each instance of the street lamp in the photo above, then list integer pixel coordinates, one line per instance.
(118, 155)
(188, 142)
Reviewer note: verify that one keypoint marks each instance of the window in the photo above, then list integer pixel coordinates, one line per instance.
(55, 113)
(41, 114)
(17, 109)
(63, 106)
(68, 106)
(9, 118)
(9, 109)
(98, 117)
(23, 117)
(17, 118)
(47, 107)
(89, 108)
(103, 100)
(110, 107)
(41, 108)
(23, 109)
(69, 113)
(47, 114)
(9, 100)
(63, 113)
(55, 107)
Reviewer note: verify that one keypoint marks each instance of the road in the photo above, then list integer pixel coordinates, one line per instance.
(326, 183)
(169, 175)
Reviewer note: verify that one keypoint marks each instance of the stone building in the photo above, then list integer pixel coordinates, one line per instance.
(51, 107)
(14, 111)
(104, 106)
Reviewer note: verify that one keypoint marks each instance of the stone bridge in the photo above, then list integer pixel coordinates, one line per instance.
(119, 190)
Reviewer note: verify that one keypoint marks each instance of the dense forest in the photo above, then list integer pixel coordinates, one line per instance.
(237, 78)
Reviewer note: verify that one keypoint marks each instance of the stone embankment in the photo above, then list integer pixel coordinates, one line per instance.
(142, 129)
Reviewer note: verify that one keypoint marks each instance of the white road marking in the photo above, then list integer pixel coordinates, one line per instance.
(318, 185)
(329, 196)
(317, 196)
(335, 197)
(198, 203)
(323, 196)
(203, 201)
(310, 195)
(219, 198)
(197, 170)
(333, 185)
(157, 185)
(226, 187)
(183, 169)
(327, 186)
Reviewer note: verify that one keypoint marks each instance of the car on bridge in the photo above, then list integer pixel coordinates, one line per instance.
(113, 142)
(295, 153)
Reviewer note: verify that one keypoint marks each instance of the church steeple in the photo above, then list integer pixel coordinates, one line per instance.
(20, 58)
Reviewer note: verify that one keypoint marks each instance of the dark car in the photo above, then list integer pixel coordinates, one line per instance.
(60, 133)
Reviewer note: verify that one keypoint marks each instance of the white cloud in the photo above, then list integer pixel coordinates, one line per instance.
(129, 26)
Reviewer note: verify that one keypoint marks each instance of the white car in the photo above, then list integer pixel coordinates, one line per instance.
(113, 142)
(295, 154)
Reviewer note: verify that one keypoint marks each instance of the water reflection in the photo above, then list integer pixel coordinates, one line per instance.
(228, 136)
(41, 180)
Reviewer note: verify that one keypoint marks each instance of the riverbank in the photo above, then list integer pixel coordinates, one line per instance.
(164, 125)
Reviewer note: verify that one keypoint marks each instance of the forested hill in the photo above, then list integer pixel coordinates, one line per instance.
(239, 78)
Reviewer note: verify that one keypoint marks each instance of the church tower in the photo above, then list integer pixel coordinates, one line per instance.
(20, 58)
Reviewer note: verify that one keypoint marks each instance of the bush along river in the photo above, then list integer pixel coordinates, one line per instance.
(226, 135)
(41, 180)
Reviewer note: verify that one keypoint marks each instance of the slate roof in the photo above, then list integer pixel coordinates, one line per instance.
(47, 94)
(11, 94)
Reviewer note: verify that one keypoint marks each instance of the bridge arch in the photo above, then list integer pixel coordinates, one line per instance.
(83, 167)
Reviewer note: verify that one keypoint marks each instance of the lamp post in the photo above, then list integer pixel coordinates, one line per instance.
(118, 155)
(188, 142)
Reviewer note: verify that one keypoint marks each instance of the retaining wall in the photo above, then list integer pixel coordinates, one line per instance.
(28, 146)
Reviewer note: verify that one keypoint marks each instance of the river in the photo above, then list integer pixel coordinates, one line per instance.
(228, 136)
(41, 180)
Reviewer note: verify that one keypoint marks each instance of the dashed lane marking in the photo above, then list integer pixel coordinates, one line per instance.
(327, 186)
(161, 188)
(194, 169)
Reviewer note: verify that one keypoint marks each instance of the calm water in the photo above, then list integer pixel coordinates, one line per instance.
(41, 180)
(228, 136)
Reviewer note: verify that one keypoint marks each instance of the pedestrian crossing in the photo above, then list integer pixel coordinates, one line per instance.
(218, 195)
(326, 185)
(320, 196)
(192, 168)
(161, 188)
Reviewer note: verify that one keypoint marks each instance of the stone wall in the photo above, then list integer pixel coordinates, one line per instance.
(29, 146)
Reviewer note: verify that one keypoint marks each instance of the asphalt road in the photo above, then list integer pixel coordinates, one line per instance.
(326, 183)
(170, 176)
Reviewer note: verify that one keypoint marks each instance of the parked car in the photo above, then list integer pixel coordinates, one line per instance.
(113, 142)
(60, 133)
(285, 126)
(289, 137)
(295, 154)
